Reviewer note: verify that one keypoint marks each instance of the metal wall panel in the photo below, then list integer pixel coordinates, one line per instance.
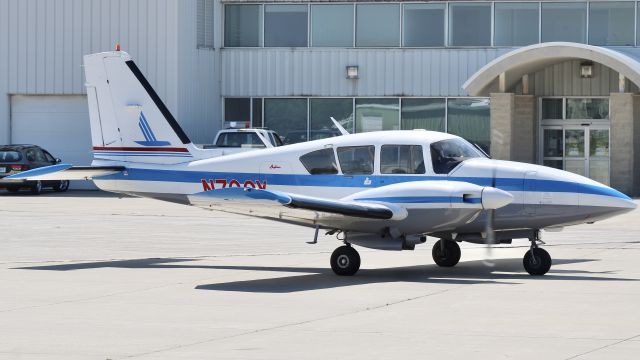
(44, 41)
(321, 72)
(563, 79)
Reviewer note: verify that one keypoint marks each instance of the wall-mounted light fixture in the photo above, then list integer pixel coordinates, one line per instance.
(352, 71)
(586, 69)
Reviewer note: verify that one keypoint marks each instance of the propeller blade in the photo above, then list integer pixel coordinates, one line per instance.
(490, 235)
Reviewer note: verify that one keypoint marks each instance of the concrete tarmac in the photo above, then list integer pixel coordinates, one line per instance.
(87, 275)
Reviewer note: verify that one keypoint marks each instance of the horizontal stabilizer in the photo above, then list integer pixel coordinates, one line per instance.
(251, 196)
(66, 172)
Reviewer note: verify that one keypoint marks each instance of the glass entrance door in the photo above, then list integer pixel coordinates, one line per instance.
(580, 149)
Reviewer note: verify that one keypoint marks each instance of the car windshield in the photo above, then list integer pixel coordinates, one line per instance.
(9, 156)
(447, 154)
(239, 139)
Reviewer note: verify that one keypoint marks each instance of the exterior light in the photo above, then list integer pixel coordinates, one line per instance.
(586, 69)
(352, 72)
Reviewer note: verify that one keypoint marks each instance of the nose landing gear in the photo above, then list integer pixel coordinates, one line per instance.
(536, 261)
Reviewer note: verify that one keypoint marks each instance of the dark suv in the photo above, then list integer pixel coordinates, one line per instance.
(18, 158)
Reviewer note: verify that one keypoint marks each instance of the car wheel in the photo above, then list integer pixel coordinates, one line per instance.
(36, 188)
(61, 186)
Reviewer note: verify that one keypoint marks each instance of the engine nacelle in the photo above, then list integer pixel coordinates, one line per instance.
(385, 242)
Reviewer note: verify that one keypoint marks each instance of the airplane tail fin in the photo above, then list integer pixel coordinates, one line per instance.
(129, 122)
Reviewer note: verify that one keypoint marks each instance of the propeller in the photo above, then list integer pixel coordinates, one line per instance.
(490, 235)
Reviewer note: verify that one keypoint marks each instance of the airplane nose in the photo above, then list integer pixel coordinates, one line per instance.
(493, 198)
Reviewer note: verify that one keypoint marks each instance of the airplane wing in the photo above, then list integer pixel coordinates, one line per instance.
(65, 172)
(286, 206)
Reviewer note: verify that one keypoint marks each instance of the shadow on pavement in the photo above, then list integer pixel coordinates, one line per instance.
(67, 194)
(505, 271)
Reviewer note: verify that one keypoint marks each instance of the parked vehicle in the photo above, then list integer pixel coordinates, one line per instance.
(235, 140)
(17, 158)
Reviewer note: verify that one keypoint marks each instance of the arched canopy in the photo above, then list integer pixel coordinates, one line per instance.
(519, 62)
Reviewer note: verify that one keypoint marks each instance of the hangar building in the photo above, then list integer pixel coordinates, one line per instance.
(548, 82)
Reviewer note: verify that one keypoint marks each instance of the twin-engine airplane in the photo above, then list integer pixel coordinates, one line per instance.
(380, 190)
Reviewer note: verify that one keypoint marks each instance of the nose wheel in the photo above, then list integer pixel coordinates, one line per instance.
(536, 261)
(345, 261)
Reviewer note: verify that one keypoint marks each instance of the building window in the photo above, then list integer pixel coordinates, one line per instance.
(332, 25)
(516, 24)
(320, 112)
(356, 160)
(552, 108)
(564, 22)
(377, 25)
(256, 119)
(242, 25)
(470, 24)
(375, 114)
(469, 119)
(287, 117)
(237, 110)
(587, 108)
(611, 23)
(204, 23)
(424, 25)
(285, 25)
(426, 114)
(401, 159)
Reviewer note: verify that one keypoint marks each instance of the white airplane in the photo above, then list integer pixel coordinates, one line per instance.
(380, 190)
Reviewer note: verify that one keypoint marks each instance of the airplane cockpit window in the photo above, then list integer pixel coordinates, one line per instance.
(320, 162)
(356, 160)
(401, 159)
(447, 154)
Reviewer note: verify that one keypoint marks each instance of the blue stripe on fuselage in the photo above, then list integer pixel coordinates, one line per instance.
(506, 184)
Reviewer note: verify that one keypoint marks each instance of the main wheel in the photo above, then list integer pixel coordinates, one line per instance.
(13, 189)
(345, 261)
(538, 262)
(36, 188)
(446, 253)
(61, 186)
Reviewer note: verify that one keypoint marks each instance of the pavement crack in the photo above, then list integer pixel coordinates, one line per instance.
(297, 323)
(603, 347)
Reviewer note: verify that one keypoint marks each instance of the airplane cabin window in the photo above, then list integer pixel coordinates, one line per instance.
(447, 154)
(320, 162)
(356, 160)
(401, 159)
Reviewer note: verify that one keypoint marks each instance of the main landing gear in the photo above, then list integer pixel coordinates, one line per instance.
(345, 261)
(446, 253)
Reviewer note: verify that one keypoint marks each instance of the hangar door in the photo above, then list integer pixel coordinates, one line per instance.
(60, 124)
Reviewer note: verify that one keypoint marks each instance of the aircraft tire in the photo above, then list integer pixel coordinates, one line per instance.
(542, 262)
(13, 189)
(36, 188)
(451, 254)
(62, 186)
(345, 261)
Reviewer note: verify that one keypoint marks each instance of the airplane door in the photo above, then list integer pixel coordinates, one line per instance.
(531, 198)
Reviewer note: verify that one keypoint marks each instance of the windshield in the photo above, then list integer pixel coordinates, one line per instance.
(9, 156)
(239, 139)
(447, 154)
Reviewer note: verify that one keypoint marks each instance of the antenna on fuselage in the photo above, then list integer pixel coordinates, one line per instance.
(340, 128)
